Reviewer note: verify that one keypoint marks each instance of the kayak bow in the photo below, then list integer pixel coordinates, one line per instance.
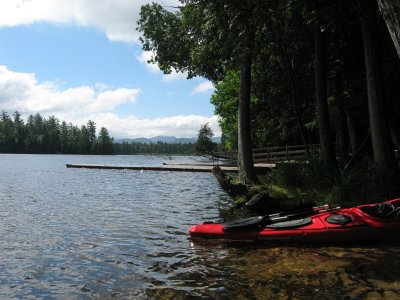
(369, 222)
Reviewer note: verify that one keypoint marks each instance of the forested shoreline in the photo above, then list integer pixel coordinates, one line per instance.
(158, 148)
(41, 135)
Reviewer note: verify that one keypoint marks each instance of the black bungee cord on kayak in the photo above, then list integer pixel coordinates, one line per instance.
(394, 214)
(386, 210)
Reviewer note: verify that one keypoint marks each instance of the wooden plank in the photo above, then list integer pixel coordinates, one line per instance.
(166, 168)
(181, 168)
(281, 153)
(276, 154)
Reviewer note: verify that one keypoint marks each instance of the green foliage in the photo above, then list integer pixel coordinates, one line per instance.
(104, 142)
(226, 102)
(315, 173)
(185, 40)
(348, 187)
(165, 36)
(40, 135)
(365, 183)
(292, 198)
(205, 144)
(214, 33)
(277, 191)
(239, 201)
(289, 174)
(206, 38)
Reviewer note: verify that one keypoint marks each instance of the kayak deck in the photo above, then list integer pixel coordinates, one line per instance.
(359, 227)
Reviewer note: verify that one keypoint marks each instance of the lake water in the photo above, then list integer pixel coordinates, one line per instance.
(83, 234)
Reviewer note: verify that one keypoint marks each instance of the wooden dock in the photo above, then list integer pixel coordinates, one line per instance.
(169, 168)
(274, 154)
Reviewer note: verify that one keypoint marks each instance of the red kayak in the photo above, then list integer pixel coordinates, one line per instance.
(369, 222)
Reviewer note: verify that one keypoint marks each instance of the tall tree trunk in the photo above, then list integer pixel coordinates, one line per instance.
(293, 93)
(354, 131)
(245, 152)
(327, 149)
(391, 13)
(394, 127)
(341, 134)
(341, 122)
(383, 154)
(293, 96)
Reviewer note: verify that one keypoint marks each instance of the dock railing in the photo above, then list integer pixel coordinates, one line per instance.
(274, 154)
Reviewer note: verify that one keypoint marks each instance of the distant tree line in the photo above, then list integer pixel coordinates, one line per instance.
(126, 148)
(50, 136)
(203, 145)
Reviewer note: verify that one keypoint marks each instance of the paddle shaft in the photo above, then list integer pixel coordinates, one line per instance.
(306, 211)
(276, 218)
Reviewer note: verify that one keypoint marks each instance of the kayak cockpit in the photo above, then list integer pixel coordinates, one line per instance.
(362, 223)
(384, 210)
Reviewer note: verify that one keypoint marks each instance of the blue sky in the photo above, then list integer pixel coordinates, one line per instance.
(81, 60)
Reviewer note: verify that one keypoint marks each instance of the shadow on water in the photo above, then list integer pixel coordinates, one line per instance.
(254, 271)
(346, 271)
(236, 270)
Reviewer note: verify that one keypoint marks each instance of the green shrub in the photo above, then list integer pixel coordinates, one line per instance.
(315, 174)
(289, 174)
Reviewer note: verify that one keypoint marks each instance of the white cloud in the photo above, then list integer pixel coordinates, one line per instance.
(109, 100)
(203, 88)
(145, 56)
(117, 18)
(22, 92)
(179, 126)
(174, 76)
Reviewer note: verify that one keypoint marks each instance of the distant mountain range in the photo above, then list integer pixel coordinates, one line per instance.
(163, 139)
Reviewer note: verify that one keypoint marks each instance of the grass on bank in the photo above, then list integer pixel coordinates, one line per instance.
(300, 183)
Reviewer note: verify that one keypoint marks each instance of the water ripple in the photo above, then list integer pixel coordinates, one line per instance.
(94, 233)
(82, 234)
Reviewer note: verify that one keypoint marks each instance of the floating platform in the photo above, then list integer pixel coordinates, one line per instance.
(170, 168)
